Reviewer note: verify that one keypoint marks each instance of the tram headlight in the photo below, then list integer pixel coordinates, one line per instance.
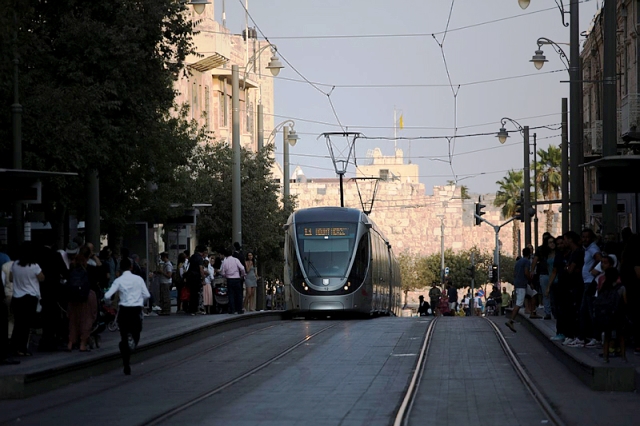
(306, 288)
(346, 287)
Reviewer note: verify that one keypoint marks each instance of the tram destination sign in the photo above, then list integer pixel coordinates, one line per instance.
(326, 231)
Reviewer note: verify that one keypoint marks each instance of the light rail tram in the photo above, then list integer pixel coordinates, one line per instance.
(338, 262)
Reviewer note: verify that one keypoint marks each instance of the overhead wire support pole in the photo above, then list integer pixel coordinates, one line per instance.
(341, 157)
(236, 196)
(575, 123)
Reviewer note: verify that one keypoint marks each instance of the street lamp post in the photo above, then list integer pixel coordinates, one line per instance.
(16, 114)
(502, 137)
(535, 191)
(236, 200)
(575, 101)
(289, 137)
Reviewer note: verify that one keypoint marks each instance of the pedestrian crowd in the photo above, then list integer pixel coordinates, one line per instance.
(590, 286)
(72, 294)
(222, 282)
(59, 291)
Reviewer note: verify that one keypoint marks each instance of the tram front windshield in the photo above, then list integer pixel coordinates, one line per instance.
(326, 247)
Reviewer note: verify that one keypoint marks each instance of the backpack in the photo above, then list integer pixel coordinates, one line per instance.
(606, 307)
(78, 285)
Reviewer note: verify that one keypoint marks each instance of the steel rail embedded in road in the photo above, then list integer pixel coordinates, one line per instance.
(526, 380)
(162, 367)
(402, 417)
(158, 419)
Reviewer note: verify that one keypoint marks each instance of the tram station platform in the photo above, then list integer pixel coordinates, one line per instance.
(43, 371)
(586, 363)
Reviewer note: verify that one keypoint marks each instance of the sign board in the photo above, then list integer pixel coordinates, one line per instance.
(446, 270)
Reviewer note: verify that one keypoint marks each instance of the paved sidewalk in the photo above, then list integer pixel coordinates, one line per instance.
(47, 370)
(585, 363)
(576, 403)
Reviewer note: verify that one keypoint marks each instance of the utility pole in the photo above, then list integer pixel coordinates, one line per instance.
(236, 206)
(565, 168)
(92, 222)
(535, 190)
(609, 125)
(441, 248)
(575, 125)
(16, 114)
(473, 285)
(527, 189)
(285, 167)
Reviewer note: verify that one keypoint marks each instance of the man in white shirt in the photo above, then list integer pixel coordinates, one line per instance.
(233, 271)
(165, 272)
(133, 293)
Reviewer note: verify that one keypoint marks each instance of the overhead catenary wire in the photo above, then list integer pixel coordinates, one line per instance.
(407, 35)
(327, 94)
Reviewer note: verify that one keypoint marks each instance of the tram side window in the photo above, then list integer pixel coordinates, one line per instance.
(361, 261)
(293, 259)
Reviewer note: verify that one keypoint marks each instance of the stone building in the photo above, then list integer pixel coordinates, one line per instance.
(207, 89)
(628, 106)
(407, 216)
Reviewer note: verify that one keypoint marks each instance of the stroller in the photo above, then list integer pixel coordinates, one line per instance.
(221, 295)
(105, 320)
(491, 308)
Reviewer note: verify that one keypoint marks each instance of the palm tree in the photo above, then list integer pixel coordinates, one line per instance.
(506, 197)
(550, 178)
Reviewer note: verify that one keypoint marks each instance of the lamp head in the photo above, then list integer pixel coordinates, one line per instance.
(292, 137)
(538, 59)
(275, 65)
(198, 5)
(524, 3)
(502, 135)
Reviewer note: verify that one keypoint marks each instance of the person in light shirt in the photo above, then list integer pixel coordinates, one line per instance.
(133, 293)
(233, 270)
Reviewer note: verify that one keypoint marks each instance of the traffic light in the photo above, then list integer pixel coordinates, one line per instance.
(479, 212)
(519, 206)
(494, 273)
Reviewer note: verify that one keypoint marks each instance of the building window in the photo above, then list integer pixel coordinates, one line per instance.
(321, 191)
(222, 108)
(384, 174)
(249, 119)
(207, 108)
(194, 99)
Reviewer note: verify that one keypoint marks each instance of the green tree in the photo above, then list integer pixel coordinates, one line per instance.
(207, 179)
(549, 178)
(97, 89)
(506, 196)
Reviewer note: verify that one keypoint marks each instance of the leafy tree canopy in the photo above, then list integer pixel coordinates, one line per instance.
(207, 179)
(96, 85)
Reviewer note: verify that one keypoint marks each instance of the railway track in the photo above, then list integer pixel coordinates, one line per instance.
(404, 412)
(148, 373)
(160, 418)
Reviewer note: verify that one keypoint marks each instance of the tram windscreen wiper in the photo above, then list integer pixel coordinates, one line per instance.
(310, 264)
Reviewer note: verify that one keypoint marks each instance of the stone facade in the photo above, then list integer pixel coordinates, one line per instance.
(410, 219)
(207, 87)
(628, 107)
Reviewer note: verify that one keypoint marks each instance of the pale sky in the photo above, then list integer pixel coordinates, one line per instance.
(498, 43)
